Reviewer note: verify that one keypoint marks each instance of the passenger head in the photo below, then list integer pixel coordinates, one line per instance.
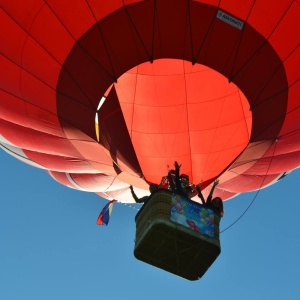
(187, 189)
(184, 183)
(153, 188)
(217, 201)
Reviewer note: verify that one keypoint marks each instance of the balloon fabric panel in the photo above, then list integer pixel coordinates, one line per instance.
(212, 85)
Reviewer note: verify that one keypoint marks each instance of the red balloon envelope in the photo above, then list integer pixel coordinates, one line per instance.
(104, 94)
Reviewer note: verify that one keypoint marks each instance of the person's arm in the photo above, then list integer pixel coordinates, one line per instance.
(136, 199)
(209, 198)
(144, 199)
(200, 194)
(177, 180)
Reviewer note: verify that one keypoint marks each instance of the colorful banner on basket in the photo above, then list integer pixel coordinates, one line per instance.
(192, 215)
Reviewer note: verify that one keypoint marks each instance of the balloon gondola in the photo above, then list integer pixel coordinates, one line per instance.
(107, 94)
(177, 235)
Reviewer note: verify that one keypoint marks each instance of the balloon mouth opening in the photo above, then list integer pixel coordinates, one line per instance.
(191, 108)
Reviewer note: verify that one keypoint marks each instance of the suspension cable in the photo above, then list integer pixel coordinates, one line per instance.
(256, 194)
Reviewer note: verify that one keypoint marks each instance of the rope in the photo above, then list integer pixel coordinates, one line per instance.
(129, 205)
(255, 196)
(240, 217)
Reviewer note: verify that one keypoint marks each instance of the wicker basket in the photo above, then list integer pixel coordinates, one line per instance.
(157, 208)
(172, 246)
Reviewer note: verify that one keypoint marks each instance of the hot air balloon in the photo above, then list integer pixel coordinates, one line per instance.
(108, 94)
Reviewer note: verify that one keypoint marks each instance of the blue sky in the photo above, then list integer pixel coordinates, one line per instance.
(51, 247)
